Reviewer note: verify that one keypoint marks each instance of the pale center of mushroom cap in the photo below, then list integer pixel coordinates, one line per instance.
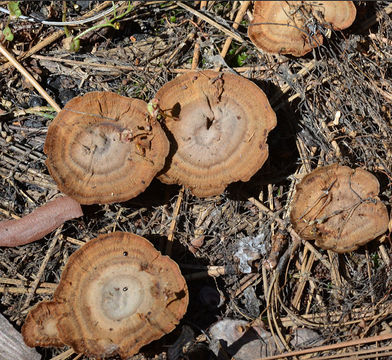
(115, 294)
(49, 328)
(99, 149)
(121, 297)
(207, 134)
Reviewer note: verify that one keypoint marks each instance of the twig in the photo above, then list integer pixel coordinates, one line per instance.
(236, 24)
(335, 318)
(45, 42)
(7, 281)
(120, 68)
(24, 290)
(41, 270)
(41, 181)
(196, 55)
(269, 305)
(384, 255)
(24, 286)
(307, 264)
(211, 22)
(212, 271)
(173, 223)
(64, 355)
(330, 347)
(66, 23)
(196, 50)
(274, 216)
(27, 75)
(248, 280)
(368, 354)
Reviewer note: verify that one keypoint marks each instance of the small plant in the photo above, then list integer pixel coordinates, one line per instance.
(73, 44)
(7, 32)
(13, 7)
(376, 260)
(237, 57)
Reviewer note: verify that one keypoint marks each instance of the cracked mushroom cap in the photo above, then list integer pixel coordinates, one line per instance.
(339, 208)
(290, 27)
(104, 148)
(217, 124)
(116, 294)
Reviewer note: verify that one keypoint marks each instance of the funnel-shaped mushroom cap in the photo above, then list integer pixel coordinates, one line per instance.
(104, 148)
(290, 27)
(218, 125)
(116, 294)
(339, 208)
(40, 328)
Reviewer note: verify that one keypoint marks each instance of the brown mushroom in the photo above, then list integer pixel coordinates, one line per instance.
(290, 27)
(339, 208)
(116, 294)
(104, 148)
(218, 125)
(41, 327)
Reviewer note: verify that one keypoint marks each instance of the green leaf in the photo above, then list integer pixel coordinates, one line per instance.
(13, 7)
(9, 36)
(241, 58)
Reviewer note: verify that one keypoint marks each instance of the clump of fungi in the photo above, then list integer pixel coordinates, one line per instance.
(339, 208)
(293, 27)
(217, 124)
(104, 148)
(117, 293)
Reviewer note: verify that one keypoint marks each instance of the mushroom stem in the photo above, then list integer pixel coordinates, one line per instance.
(38, 223)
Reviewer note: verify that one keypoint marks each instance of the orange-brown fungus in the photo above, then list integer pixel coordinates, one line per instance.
(116, 294)
(292, 27)
(218, 125)
(339, 208)
(104, 148)
(41, 329)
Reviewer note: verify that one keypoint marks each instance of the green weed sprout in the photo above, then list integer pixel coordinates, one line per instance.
(13, 7)
(75, 44)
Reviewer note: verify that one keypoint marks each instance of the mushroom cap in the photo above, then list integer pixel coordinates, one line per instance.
(40, 328)
(339, 208)
(286, 27)
(217, 124)
(104, 148)
(116, 294)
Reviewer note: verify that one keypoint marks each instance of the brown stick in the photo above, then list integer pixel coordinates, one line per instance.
(170, 236)
(28, 76)
(38, 223)
(237, 21)
(325, 348)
